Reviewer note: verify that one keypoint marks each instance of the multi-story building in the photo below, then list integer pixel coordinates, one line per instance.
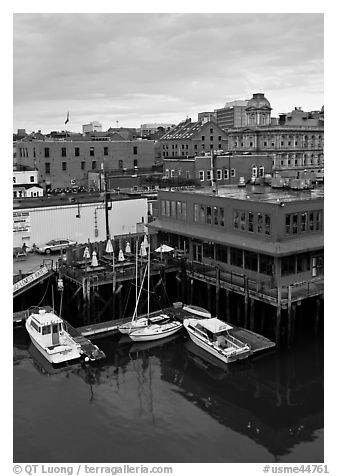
(62, 163)
(296, 143)
(149, 130)
(25, 184)
(221, 168)
(189, 139)
(93, 126)
(274, 238)
(232, 115)
(206, 116)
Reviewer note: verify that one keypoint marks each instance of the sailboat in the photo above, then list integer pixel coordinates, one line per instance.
(159, 325)
(139, 323)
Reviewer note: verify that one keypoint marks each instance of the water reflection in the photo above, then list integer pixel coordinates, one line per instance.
(277, 401)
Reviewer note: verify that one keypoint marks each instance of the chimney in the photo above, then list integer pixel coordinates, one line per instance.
(282, 119)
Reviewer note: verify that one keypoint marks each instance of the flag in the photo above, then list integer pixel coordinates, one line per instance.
(67, 120)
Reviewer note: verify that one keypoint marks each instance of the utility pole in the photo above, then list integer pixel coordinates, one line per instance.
(106, 203)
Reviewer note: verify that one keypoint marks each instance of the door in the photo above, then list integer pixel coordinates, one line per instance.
(55, 338)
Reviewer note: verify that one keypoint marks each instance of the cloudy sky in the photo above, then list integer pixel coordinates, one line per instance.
(139, 68)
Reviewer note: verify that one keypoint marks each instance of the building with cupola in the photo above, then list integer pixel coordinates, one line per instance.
(295, 143)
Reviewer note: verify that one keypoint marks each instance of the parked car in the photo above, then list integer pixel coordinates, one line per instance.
(19, 253)
(54, 245)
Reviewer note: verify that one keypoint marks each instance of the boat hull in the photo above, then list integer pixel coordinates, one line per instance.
(150, 333)
(131, 326)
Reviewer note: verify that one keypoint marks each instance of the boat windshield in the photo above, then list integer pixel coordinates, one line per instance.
(46, 330)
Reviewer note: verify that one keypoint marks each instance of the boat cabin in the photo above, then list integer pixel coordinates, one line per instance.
(48, 326)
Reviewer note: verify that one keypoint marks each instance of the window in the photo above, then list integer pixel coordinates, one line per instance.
(46, 151)
(267, 224)
(167, 172)
(46, 330)
(202, 137)
(261, 171)
(236, 257)
(15, 194)
(162, 202)
(266, 264)
(222, 216)
(303, 262)
(259, 223)
(135, 163)
(120, 164)
(92, 151)
(295, 227)
(183, 210)
(63, 152)
(221, 253)
(219, 174)
(211, 130)
(47, 167)
(251, 222)
(254, 171)
(77, 151)
(14, 179)
(31, 178)
(168, 208)
(304, 221)
(64, 165)
(250, 260)
(211, 138)
(236, 220)
(94, 164)
(135, 150)
(173, 209)
(209, 215)
(106, 150)
(172, 173)
(209, 175)
(196, 212)
(232, 172)
(318, 221)
(215, 216)
(287, 265)
(288, 221)
(242, 221)
(82, 165)
(226, 174)
(201, 175)
(219, 138)
(208, 250)
(202, 214)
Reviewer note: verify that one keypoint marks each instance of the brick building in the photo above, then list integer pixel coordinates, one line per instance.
(62, 163)
(189, 139)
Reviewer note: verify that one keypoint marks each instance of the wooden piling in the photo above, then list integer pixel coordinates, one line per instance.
(246, 301)
(278, 317)
(217, 293)
(228, 316)
(209, 297)
(252, 315)
(289, 328)
(317, 315)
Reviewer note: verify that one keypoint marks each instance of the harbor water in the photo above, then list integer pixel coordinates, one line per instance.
(169, 402)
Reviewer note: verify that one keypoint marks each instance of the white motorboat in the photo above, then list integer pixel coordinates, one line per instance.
(197, 311)
(156, 331)
(48, 332)
(214, 336)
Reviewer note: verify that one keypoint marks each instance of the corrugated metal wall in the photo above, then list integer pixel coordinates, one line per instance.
(62, 222)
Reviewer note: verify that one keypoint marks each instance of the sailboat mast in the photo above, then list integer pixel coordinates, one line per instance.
(136, 275)
(148, 279)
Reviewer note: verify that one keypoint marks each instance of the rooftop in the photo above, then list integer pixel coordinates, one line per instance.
(260, 193)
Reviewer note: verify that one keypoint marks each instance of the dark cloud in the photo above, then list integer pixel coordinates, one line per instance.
(160, 67)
